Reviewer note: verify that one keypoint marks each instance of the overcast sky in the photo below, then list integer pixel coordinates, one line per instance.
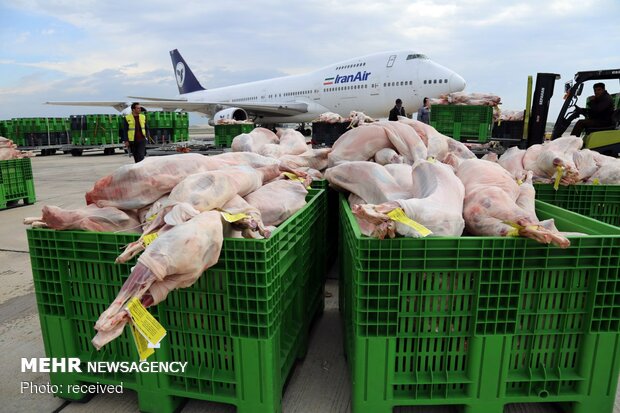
(107, 50)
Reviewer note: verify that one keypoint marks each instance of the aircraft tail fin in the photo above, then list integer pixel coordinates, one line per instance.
(186, 81)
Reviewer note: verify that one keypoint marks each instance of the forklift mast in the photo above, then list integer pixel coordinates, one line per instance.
(543, 92)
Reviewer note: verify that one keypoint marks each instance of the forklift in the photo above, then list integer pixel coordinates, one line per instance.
(603, 140)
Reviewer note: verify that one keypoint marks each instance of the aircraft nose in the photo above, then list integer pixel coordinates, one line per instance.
(457, 83)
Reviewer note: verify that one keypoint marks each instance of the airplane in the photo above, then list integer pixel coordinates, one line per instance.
(369, 84)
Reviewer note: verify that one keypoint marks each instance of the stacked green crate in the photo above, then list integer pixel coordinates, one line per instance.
(482, 321)
(16, 182)
(7, 130)
(600, 202)
(224, 134)
(181, 127)
(463, 122)
(160, 126)
(21, 131)
(95, 130)
(239, 327)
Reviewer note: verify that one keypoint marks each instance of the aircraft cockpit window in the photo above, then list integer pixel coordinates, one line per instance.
(416, 56)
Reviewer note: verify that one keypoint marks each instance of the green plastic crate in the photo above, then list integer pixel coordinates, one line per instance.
(180, 135)
(600, 202)
(240, 326)
(16, 182)
(224, 134)
(463, 122)
(482, 321)
(159, 120)
(180, 120)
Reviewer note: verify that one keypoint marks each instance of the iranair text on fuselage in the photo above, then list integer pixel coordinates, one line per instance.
(358, 77)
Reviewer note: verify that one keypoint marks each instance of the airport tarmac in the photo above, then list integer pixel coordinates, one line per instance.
(318, 383)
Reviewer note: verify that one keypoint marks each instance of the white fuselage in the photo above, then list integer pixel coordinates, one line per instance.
(369, 84)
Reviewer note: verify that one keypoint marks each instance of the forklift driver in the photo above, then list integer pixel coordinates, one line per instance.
(598, 115)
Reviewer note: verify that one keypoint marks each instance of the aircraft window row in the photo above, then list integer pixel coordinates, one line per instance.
(305, 92)
(416, 56)
(299, 93)
(245, 99)
(403, 83)
(435, 81)
(334, 89)
(350, 66)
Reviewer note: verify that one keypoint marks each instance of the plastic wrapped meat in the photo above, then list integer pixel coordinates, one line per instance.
(512, 161)
(438, 144)
(252, 225)
(363, 142)
(313, 158)
(89, 218)
(138, 185)
(496, 205)
(290, 196)
(292, 142)
(174, 260)
(368, 180)
(388, 156)
(544, 160)
(204, 191)
(436, 203)
(253, 141)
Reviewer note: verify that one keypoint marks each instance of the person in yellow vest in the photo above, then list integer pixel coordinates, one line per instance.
(136, 132)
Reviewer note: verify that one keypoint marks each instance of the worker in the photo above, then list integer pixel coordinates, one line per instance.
(397, 110)
(598, 115)
(135, 132)
(424, 113)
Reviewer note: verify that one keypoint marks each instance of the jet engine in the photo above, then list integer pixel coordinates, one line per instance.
(229, 114)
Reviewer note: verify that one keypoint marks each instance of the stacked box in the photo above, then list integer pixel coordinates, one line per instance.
(600, 202)
(325, 133)
(240, 327)
(16, 182)
(508, 130)
(224, 134)
(463, 122)
(94, 130)
(482, 321)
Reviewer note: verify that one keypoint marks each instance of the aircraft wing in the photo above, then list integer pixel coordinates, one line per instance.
(258, 108)
(118, 105)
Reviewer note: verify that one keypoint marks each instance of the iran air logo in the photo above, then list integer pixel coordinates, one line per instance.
(179, 70)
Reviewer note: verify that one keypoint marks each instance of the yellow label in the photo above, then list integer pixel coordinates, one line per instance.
(149, 238)
(596, 181)
(152, 217)
(514, 231)
(519, 181)
(233, 217)
(144, 322)
(558, 176)
(144, 351)
(293, 177)
(398, 215)
(431, 159)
